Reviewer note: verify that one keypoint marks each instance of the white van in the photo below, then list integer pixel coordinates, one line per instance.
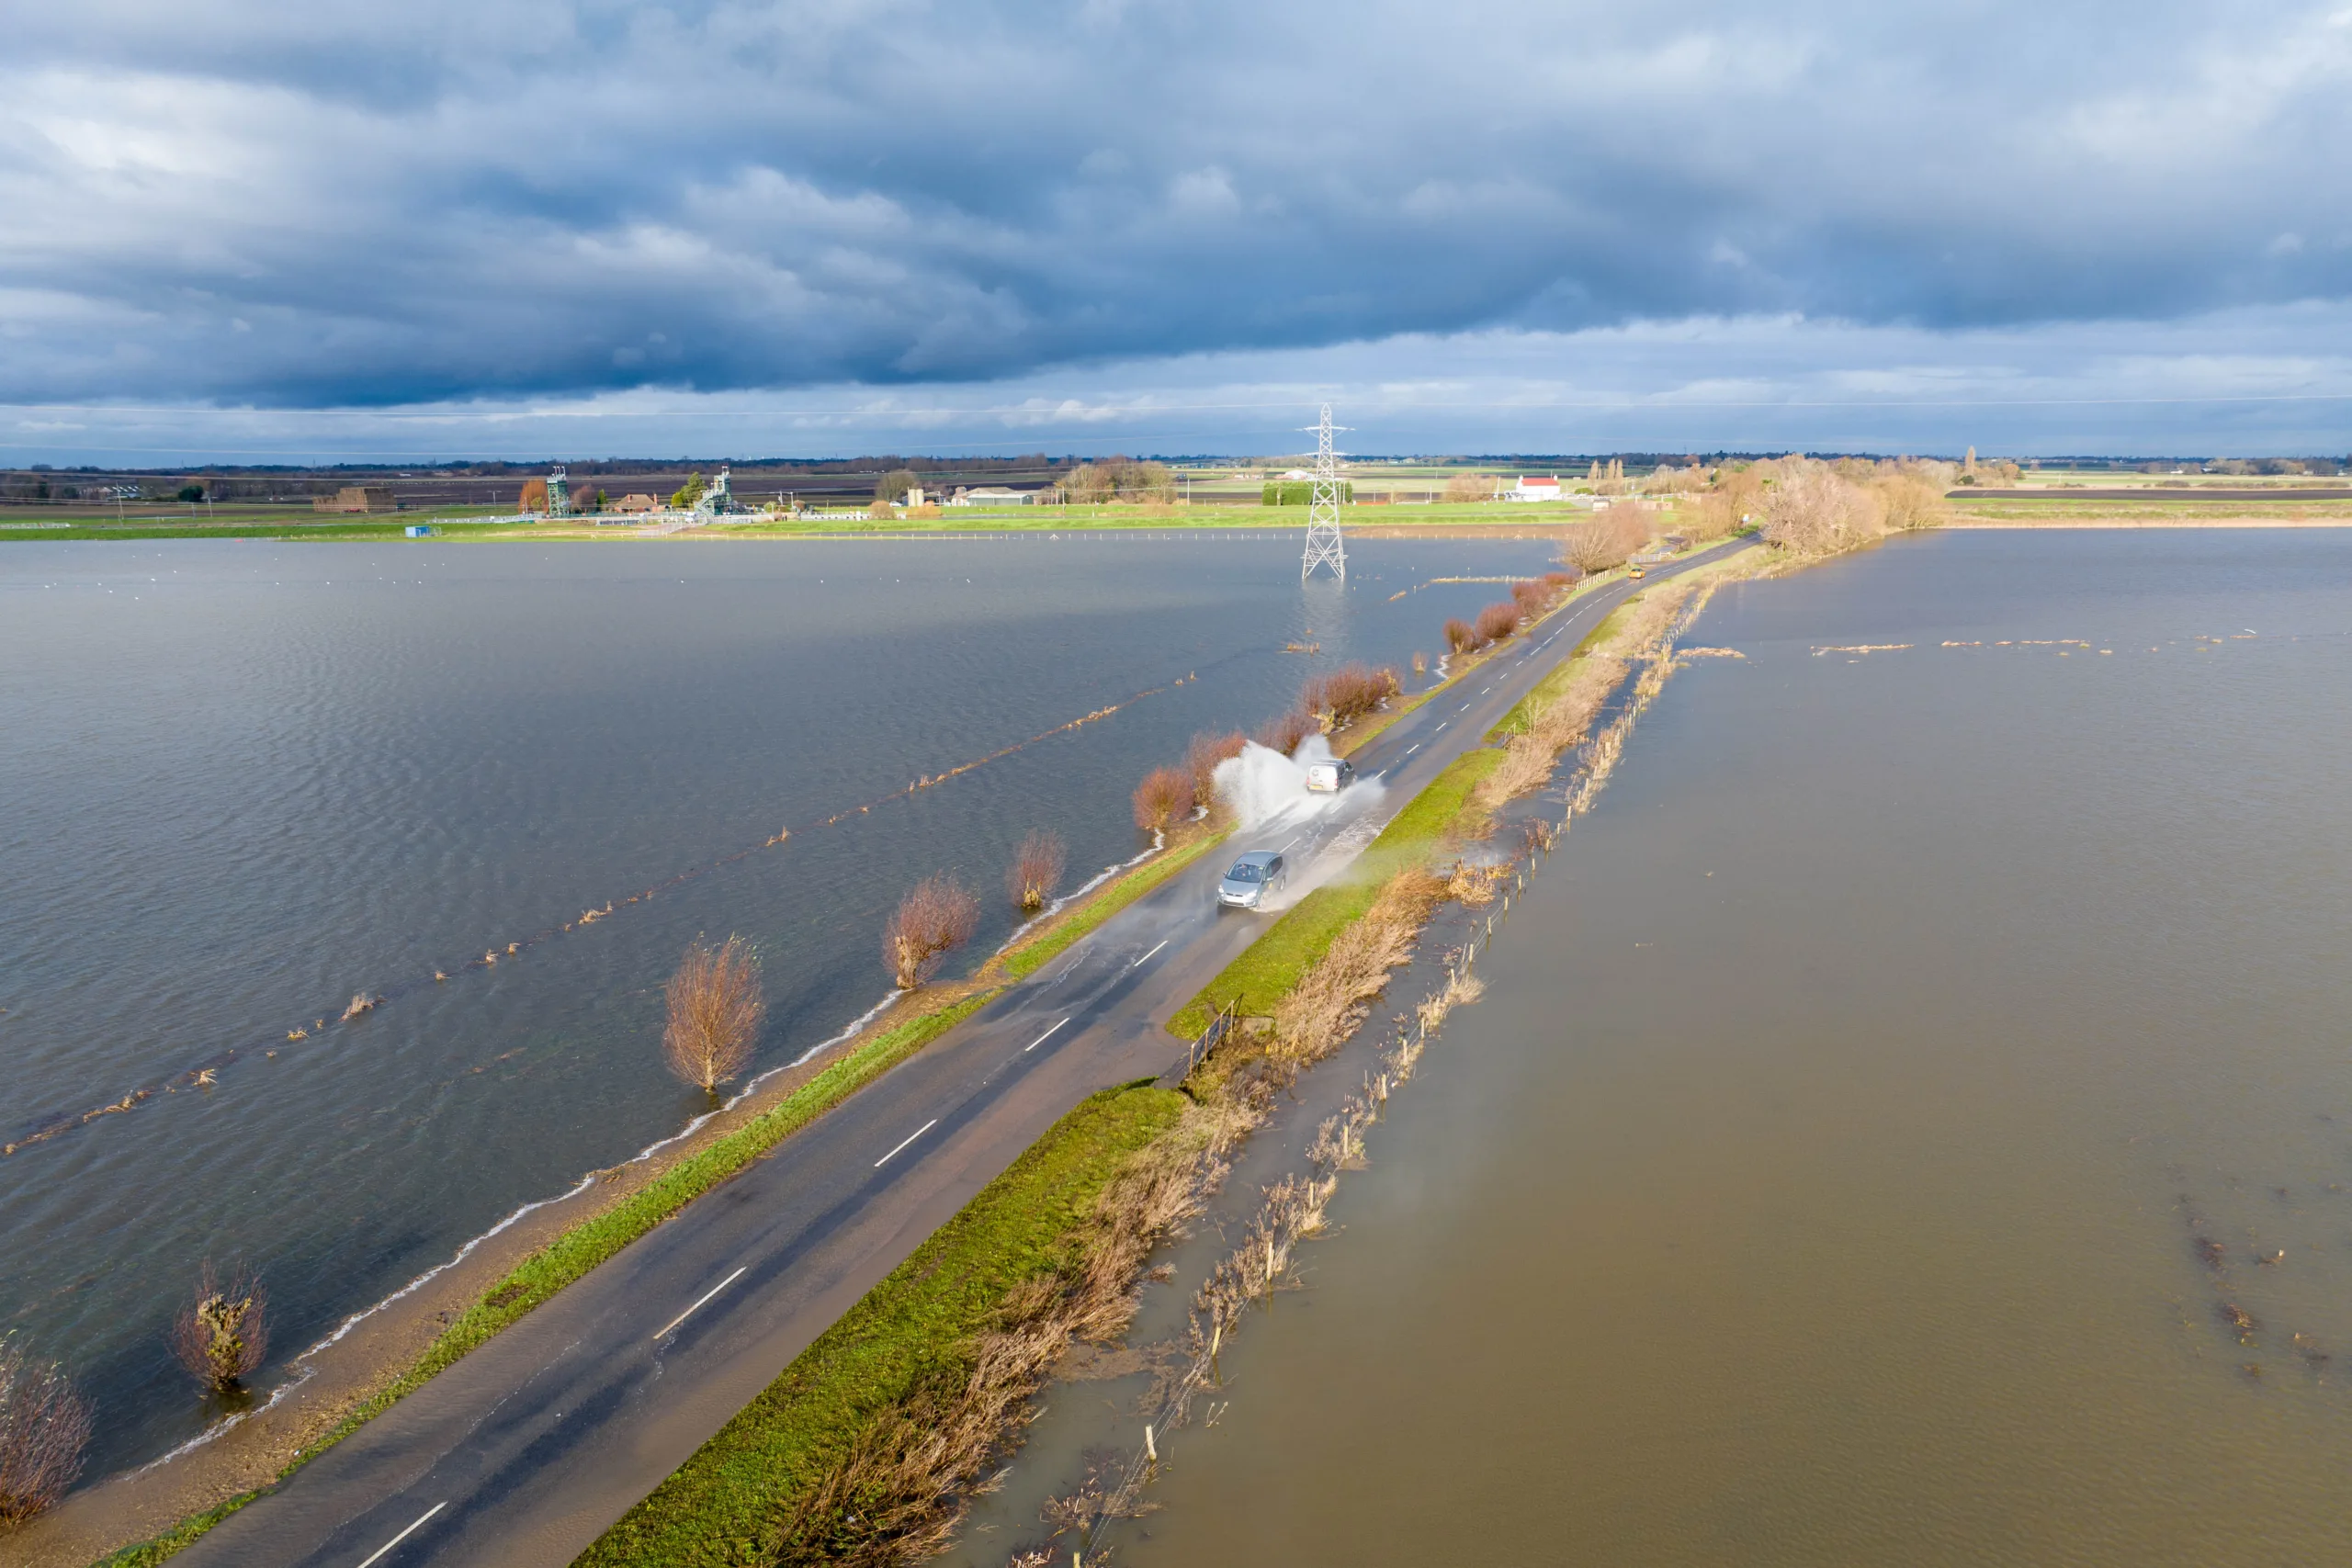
(1327, 778)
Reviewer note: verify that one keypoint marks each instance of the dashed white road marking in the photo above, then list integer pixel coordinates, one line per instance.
(1146, 957)
(689, 1312)
(405, 1534)
(1030, 1046)
(918, 1133)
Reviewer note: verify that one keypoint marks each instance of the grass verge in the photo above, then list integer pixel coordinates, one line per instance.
(590, 1241)
(1267, 971)
(727, 1503)
(1028, 958)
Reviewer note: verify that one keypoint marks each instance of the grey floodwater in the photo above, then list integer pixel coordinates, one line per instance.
(245, 782)
(1910, 1119)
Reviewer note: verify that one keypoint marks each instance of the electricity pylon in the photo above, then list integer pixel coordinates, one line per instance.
(1324, 545)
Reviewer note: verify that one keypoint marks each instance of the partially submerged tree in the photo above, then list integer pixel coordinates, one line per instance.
(1284, 731)
(1165, 794)
(1201, 757)
(1339, 698)
(1036, 869)
(1461, 635)
(937, 916)
(1813, 510)
(716, 1010)
(44, 1426)
(1496, 622)
(222, 1335)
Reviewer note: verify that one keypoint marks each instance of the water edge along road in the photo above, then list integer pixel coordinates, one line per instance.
(523, 1452)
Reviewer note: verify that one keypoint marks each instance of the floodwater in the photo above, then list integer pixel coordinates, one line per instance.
(247, 780)
(1885, 1104)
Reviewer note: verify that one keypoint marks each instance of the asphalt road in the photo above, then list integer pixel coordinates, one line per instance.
(526, 1450)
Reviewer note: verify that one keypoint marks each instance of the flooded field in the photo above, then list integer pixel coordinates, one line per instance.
(247, 780)
(1909, 1120)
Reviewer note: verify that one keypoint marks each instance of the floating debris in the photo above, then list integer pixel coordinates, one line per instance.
(207, 1078)
(1865, 648)
(361, 1002)
(1709, 653)
(2209, 1252)
(2242, 1322)
(297, 1034)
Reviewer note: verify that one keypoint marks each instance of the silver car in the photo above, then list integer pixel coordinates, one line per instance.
(1253, 878)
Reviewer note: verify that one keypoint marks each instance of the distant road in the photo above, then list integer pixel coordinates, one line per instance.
(2156, 492)
(528, 1450)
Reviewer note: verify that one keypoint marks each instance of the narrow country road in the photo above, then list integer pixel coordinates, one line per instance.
(523, 1452)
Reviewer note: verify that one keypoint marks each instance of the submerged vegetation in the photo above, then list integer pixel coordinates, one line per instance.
(44, 1426)
(222, 1336)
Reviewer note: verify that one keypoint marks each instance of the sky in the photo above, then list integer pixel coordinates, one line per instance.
(240, 232)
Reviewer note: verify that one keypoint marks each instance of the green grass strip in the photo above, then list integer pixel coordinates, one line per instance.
(1023, 962)
(592, 1241)
(720, 1509)
(1265, 973)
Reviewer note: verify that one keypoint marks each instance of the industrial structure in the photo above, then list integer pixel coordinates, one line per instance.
(559, 494)
(1324, 545)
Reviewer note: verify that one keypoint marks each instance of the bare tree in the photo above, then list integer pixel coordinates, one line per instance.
(1461, 635)
(1036, 869)
(1496, 622)
(1339, 698)
(44, 1426)
(1284, 731)
(1813, 510)
(1464, 488)
(1164, 794)
(1204, 754)
(1604, 542)
(714, 1012)
(937, 916)
(222, 1335)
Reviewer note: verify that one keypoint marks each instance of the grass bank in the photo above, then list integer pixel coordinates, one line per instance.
(750, 1488)
(581, 1247)
(1256, 982)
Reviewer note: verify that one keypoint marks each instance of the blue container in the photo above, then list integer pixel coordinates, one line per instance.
(420, 530)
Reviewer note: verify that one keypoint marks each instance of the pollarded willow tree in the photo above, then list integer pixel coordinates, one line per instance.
(716, 1010)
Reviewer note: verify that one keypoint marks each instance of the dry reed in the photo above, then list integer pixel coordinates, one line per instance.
(937, 916)
(44, 1426)
(222, 1335)
(714, 1012)
(1036, 869)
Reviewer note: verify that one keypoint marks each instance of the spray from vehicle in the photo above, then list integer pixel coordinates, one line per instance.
(1265, 788)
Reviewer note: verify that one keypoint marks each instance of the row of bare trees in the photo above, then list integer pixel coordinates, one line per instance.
(1529, 599)
(221, 1337)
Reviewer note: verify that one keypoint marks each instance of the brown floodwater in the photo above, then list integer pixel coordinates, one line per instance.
(1910, 1119)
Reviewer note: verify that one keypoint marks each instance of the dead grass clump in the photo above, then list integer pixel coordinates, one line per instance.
(1496, 622)
(222, 1336)
(1284, 732)
(1036, 869)
(1460, 636)
(44, 1426)
(937, 916)
(1339, 698)
(1204, 754)
(1165, 794)
(714, 1013)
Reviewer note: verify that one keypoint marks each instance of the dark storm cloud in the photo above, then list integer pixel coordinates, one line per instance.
(340, 204)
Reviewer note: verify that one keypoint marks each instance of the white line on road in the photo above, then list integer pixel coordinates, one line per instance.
(1482, 692)
(405, 1534)
(1032, 1047)
(1146, 957)
(918, 1133)
(1287, 846)
(1413, 748)
(692, 1310)
(1441, 727)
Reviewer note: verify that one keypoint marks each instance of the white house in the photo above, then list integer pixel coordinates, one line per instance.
(1543, 486)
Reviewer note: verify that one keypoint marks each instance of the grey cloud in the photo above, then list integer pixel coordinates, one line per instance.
(360, 205)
